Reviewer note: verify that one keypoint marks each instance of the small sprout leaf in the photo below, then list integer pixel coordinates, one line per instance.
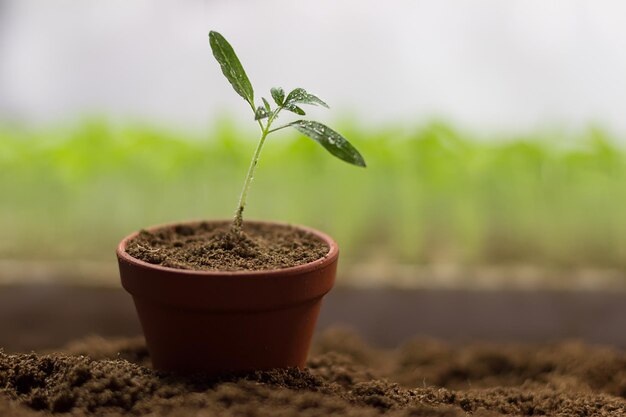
(278, 94)
(294, 109)
(266, 104)
(300, 96)
(260, 113)
(331, 140)
(231, 67)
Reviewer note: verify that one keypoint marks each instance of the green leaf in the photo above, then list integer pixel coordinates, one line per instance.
(294, 109)
(260, 113)
(331, 140)
(300, 96)
(231, 67)
(278, 94)
(266, 104)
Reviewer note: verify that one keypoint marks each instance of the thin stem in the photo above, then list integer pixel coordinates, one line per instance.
(277, 128)
(265, 130)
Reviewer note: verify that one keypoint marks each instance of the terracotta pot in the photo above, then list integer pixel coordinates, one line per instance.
(217, 322)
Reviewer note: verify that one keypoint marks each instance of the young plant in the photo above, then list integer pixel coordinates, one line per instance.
(265, 115)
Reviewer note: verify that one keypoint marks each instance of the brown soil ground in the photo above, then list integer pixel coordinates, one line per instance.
(213, 246)
(345, 377)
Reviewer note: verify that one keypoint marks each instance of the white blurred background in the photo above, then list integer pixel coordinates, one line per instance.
(485, 65)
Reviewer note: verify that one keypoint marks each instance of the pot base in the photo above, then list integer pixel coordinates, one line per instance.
(195, 341)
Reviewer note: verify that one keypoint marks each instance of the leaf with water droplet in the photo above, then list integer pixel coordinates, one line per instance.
(278, 94)
(300, 96)
(231, 66)
(331, 140)
(266, 104)
(294, 109)
(260, 113)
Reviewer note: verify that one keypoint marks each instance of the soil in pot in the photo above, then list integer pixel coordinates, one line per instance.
(345, 377)
(214, 247)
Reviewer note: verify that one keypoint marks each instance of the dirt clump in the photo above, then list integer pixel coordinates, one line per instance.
(344, 377)
(215, 247)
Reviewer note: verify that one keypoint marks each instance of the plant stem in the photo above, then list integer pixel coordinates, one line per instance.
(277, 128)
(238, 221)
(265, 130)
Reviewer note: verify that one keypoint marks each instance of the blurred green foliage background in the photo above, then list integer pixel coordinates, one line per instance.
(430, 194)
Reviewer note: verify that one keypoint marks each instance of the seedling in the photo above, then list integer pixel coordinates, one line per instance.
(265, 115)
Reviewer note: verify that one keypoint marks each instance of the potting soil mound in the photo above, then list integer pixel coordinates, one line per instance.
(345, 377)
(213, 246)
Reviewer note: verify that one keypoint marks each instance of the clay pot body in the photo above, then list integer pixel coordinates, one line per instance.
(218, 322)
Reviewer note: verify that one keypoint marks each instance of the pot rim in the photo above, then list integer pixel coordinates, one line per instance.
(331, 256)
